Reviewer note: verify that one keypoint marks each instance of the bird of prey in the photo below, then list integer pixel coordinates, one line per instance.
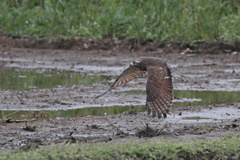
(159, 83)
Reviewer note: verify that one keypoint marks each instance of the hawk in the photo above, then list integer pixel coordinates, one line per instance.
(159, 83)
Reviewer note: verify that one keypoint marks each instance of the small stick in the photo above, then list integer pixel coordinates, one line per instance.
(103, 93)
(119, 130)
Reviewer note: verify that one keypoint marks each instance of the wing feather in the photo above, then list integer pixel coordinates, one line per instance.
(159, 90)
(127, 75)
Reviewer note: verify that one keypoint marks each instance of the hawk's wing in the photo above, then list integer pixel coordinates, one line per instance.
(159, 90)
(127, 75)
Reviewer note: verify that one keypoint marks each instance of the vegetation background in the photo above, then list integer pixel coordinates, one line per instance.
(226, 148)
(186, 21)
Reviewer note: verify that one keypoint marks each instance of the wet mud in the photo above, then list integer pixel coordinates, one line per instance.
(91, 72)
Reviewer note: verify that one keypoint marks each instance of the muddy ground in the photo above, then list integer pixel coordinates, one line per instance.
(191, 71)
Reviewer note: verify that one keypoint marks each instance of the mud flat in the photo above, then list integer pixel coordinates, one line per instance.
(66, 110)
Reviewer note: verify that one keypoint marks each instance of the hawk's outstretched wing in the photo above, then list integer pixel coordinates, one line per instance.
(159, 90)
(127, 75)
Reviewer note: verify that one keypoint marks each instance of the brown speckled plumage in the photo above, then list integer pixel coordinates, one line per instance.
(159, 83)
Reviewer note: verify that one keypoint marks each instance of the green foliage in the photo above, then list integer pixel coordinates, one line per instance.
(172, 20)
(225, 148)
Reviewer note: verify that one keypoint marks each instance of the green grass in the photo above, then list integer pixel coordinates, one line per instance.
(225, 148)
(166, 20)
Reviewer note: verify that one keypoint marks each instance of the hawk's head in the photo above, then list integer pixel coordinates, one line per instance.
(139, 65)
(135, 64)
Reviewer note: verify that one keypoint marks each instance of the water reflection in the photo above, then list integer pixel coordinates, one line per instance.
(207, 97)
(195, 98)
(22, 79)
(100, 111)
(19, 79)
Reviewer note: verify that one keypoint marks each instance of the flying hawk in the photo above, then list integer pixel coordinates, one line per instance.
(159, 83)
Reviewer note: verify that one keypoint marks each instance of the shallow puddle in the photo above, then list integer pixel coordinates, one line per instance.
(196, 98)
(206, 115)
(188, 98)
(207, 97)
(195, 118)
(22, 79)
(100, 111)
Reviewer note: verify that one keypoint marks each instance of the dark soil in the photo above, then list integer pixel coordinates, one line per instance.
(201, 70)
